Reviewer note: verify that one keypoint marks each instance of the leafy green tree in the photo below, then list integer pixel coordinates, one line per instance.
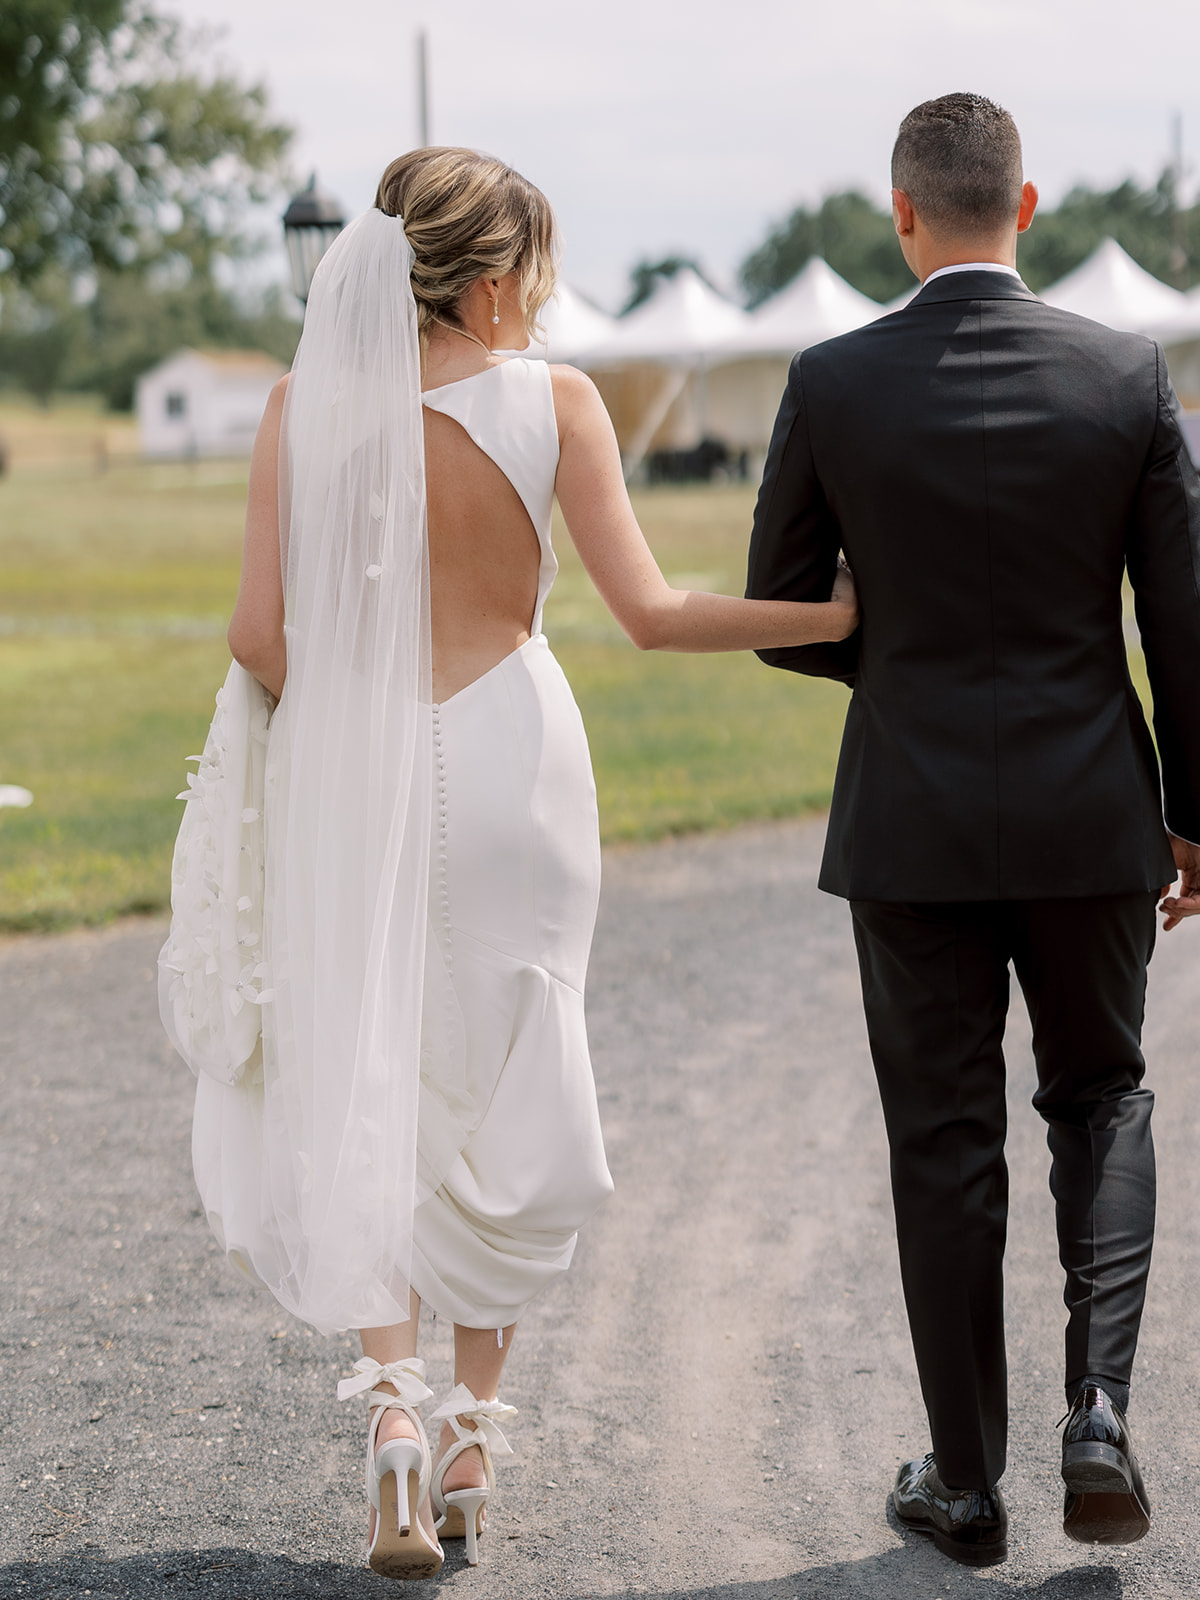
(50, 343)
(128, 170)
(1145, 222)
(39, 336)
(126, 331)
(115, 153)
(49, 50)
(858, 240)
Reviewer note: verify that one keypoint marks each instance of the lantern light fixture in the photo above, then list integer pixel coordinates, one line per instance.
(311, 223)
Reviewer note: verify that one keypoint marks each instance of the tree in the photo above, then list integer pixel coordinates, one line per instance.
(114, 153)
(126, 331)
(1145, 222)
(858, 240)
(48, 54)
(126, 174)
(39, 336)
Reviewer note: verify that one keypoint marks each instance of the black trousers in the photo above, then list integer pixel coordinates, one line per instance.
(935, 990)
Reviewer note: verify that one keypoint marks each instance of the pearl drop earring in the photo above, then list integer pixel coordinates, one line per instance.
(495, 311)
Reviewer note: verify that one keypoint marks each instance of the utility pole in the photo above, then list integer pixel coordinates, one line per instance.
(1179, 249)
(423, 88)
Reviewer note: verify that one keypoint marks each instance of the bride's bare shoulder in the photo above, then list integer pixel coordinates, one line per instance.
(577, 402)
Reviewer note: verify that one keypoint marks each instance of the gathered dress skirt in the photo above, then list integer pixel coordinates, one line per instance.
(510, 1156)
(510, 1159)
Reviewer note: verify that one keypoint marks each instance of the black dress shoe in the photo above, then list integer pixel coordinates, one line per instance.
(1106, 1500)
(968, 1525)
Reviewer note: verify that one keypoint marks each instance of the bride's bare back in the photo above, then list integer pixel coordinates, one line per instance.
(483, 558)
(484, 550)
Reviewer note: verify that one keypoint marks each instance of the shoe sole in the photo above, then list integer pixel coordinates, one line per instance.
(402, 1552)
(1105, 1519)
(1106, 1508)
(970, 1555)
(967, 1555)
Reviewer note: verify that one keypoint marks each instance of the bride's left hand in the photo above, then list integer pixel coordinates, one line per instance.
(845, 594)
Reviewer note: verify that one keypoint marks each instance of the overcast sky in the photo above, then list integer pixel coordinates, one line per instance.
(662, 126)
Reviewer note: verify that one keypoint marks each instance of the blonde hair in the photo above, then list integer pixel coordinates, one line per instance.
(468, 216)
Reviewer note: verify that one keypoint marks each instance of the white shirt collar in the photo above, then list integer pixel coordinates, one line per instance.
(974, 266)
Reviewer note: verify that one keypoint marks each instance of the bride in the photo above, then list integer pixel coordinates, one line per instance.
(419, 1124)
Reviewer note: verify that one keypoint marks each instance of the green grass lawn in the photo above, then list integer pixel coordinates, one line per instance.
(115, 588)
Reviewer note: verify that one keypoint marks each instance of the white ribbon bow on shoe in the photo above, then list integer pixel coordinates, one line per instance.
(407, 1377)
(485, 1414)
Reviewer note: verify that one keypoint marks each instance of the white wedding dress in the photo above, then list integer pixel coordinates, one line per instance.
(510, 1160)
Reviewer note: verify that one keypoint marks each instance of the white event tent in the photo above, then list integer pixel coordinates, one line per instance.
(816, 305)
(654, 369)
(689, 365)
(1181, 345)
(682, 324)
(573, 326)
(901, 300)
(744, 391)
(1110, 287)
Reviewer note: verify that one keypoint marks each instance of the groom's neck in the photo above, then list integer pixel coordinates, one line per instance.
(927, 253)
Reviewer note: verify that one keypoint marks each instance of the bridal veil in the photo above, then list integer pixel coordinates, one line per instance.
(309, 1162)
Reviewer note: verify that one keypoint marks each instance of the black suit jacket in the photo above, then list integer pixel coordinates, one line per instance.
(992, 468)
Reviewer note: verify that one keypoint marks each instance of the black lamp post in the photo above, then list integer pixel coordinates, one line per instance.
(311, 223)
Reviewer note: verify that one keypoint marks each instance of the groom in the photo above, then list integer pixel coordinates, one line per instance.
(992, 469)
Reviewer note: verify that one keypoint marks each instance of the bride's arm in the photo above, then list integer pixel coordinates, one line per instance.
(591, 491)
(256, 636)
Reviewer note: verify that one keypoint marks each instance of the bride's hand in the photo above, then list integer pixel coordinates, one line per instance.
(845, 595)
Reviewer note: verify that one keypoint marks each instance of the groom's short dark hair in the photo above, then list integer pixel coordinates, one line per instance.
(958, 159)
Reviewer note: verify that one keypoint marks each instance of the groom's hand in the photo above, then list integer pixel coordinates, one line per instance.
(1187, 902)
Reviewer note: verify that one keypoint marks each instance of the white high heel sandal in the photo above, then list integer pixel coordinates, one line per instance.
(399, 1472)
(460, 1511)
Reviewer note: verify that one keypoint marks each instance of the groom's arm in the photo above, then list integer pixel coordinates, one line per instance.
(796, 539)
(1163, 559)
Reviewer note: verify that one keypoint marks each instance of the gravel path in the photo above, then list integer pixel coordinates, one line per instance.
(714, 1401)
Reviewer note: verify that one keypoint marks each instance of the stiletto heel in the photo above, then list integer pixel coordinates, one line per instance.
(469, 1504)
(399, 1471)
(460, 1512)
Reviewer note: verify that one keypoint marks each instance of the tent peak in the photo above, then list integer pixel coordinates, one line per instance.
(1110, 287)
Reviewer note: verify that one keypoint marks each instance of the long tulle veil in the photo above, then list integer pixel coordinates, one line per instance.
(348, 795)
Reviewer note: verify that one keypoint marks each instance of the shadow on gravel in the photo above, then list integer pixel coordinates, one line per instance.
(241, 1575)
(208, 1574)
(903, 1575)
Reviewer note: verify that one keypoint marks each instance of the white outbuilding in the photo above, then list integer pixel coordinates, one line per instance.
(204, 402)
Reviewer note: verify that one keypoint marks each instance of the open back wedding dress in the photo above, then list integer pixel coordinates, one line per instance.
(510, 1156)
(422, 1110)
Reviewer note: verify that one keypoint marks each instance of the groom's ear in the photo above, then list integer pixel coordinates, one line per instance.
(903, 215)
(1029, 200)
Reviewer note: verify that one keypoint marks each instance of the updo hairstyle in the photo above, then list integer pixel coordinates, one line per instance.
(468, 216)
